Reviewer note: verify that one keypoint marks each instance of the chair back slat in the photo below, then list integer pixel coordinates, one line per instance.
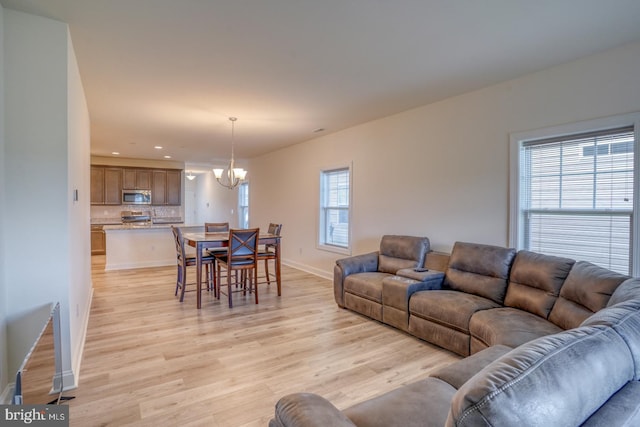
(275, 229)
(179, 241)
(216, 227)
(243, 245)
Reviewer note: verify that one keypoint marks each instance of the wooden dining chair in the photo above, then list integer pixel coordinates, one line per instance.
(216, 227)
(269, 253)
(242, 255)
(185, 261)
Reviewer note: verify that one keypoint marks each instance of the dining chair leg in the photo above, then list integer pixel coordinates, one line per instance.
(177, 282)
(266, 271)
(215, 276)
(229, 288)
(254, 279)
(218, 282)
(211, 279)
(183, 280)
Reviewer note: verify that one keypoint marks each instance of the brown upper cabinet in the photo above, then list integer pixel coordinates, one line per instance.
(166, 187)
(97, 185)
(159, 187)
(136, 179)
(106, 185)
(174, 187)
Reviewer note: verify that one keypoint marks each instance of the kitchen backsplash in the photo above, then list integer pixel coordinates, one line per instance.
(104, 212)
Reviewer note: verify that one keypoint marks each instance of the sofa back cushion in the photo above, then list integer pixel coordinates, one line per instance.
(480, 270)
(397, 252)
(629, 289)
(535, 282)
(586, 290)
(557, 380)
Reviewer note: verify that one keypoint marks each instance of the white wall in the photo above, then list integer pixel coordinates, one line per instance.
(4, 373)
(46, 158)
(79, 180)
(440, 170)
(213, 202)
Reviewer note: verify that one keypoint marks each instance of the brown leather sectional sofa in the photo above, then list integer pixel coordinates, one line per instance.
(550, 341)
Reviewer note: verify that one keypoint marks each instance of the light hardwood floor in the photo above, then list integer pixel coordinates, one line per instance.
(150, 360)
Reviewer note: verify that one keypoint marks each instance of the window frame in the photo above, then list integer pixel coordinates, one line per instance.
(241, 207)
(321, 229)
(516, 141)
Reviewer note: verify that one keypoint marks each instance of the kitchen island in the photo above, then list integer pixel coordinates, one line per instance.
(141, 245)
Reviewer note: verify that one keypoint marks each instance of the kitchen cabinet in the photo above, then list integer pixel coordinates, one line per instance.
(98, 241)
(174, 187)
(112, 186)
(97, 185)
(106, 185)
(136, 179)
(159, 187)
(166, 187)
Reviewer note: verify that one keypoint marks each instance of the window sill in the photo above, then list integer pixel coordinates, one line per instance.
(334, 249)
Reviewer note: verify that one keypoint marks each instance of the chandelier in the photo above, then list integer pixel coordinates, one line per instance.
(233, 175)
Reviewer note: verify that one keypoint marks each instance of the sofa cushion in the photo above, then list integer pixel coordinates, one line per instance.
(556, 380)
(442, 317)
(480, 270)
(535, 282)
(624, 318)
(366, 285)
(586, 290)
(421, 404)
(621, 407)
(452, 309)
(397, 252)
(459, 372)
(508, 326)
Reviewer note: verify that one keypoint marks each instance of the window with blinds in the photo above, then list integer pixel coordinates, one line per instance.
(243, 205)
(576, 197)
(334, 208)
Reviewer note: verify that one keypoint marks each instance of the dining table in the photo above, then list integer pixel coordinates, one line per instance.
(202, 240)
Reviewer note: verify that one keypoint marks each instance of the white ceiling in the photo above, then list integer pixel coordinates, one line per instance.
(171, 72)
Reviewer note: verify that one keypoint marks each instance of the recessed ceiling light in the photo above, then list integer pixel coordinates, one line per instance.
(158, 147)
(115, 153)
(167, 157)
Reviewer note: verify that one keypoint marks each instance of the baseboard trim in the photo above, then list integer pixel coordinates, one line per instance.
(7, 394)
(143, 264)
(308, 269)
(73, 377)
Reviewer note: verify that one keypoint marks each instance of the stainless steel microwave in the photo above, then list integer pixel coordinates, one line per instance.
(136, 197)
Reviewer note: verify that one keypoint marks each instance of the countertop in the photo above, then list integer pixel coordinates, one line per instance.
(117, 224)
(105, 221)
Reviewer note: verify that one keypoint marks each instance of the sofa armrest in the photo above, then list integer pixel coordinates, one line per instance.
(308, 410)
(352, 265)
(433, 279)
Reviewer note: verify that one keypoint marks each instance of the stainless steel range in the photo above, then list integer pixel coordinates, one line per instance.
(135, 217)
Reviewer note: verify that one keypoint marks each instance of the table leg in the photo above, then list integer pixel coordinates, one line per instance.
(199, 249)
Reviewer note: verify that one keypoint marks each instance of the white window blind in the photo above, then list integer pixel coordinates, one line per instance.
(243, 205)
(334, 207)
(576, 197)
